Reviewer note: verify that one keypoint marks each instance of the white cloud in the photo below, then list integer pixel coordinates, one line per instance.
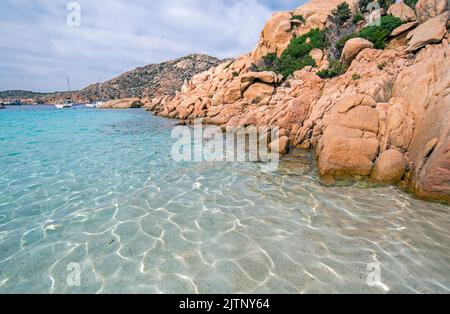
(38, 49)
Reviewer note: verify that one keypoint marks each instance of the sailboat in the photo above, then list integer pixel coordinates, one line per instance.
(66, 104)
(95, 104)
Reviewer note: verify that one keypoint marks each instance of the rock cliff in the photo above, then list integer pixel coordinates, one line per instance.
(382, 111)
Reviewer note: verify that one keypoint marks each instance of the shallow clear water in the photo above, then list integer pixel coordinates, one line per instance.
(99, 188)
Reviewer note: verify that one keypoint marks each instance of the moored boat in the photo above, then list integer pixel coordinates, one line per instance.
(94, 104)
(67, 104)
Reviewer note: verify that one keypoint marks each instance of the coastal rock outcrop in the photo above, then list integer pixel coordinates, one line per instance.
(404, 28)
(429, 97)
(431, 32)
(280, 145)
(275, 36)
(281, 28)
(349, 144)
(390, 166)
(121, 104)
(385, 115)
(402, 11)
(352, 48)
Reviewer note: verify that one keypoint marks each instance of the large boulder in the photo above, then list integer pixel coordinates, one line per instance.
(280, 145)
(390, 166)
(318, 10)
(275, 37)
(352, 48)
(268, 77)
(233, 94)
(258, 92)
(121, 104)
(281, 28)
(404, 28)
(431, 32)
(426, 86)
(349, 144)
(345, 152)
(427, 9)
(402, 11)
(399, 124)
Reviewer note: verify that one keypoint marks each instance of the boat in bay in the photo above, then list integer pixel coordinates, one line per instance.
(67, 104)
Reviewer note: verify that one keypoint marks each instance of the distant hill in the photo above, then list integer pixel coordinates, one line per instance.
(149, 81)
(21, 94)
(152, 80)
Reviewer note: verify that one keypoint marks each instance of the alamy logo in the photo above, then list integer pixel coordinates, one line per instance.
(213, 144)
(374, 10)
(74, 277)
(74, 17)
(374, 276)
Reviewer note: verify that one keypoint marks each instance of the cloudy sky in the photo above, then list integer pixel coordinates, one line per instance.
(38, 48)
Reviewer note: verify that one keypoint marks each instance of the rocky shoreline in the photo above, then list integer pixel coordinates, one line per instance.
(385, 117)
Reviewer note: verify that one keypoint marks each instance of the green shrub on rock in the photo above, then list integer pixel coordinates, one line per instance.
(341, 14)
(336, 68)
(363, 5)
(357, 17)
(340, 44)
(296, 56)
(303, 45)
(270, 59)
(378, 35)
(298, 18)
(411, 3)
(288, 65)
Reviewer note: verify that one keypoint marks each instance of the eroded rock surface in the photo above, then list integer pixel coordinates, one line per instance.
(427, 9)
(431, 32)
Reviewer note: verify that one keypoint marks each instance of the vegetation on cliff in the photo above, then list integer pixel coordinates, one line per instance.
(340, 29)
(296, 56)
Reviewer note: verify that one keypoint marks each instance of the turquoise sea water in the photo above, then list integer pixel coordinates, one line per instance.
(98, 189)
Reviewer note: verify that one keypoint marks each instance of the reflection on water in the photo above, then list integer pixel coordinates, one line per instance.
(99, 189)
